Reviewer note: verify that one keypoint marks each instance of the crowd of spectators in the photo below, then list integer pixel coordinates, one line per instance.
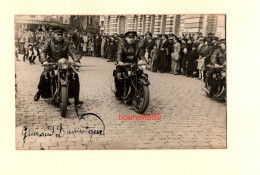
(165, 53)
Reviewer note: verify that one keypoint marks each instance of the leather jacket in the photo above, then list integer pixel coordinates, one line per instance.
(56, 50)
(127, 53)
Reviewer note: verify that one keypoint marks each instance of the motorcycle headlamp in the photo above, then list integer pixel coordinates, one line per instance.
(63, 63)
(142, 64)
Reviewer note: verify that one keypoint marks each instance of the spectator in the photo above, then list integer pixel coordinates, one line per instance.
(98, 41)
(103, 43)
(192, 57)
(154, 56)
(85, 45)
(175, 66)
(164, 54)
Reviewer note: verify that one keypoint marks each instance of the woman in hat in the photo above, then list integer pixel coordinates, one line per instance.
(164, 54)
(192, 56)
(175, 66)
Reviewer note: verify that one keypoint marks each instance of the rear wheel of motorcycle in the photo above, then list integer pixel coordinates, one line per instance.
(207, 87)
(63, 103)
(141, 102)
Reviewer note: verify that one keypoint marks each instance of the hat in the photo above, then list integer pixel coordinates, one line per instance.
(58, 30)
(40, 29)
(166, 36)
(201, 38)
(130, 34)
(215, 38)
(209, 39)
(148, 33)
(194, 45)
(121, 36)
(222, 41)
(29, 29)
(185, 39)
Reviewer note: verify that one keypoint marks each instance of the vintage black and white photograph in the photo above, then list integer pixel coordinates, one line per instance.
(120, 81)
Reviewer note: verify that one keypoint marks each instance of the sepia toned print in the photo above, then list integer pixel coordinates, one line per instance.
(120, 82)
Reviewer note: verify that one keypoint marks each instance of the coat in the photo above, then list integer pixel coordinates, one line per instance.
(164, 55)
(103, 43)
(127, 52)
(192, 56)
(56, 50)
(85, 45)
(206, 52)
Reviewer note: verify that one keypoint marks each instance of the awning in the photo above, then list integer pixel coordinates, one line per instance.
(51, 23)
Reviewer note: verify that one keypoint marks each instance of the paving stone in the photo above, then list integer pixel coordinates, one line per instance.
(189, 119)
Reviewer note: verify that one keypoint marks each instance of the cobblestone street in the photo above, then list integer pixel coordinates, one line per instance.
(189, 119)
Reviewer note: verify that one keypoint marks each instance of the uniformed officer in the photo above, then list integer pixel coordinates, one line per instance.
(220, 60)
(57, 48)
(127, 53)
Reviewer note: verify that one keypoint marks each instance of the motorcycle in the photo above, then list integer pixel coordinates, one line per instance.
(218, 88)
(58, 75)
(136, 86)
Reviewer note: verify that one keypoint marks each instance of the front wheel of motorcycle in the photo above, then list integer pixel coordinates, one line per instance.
(141, 99)
(63, 103)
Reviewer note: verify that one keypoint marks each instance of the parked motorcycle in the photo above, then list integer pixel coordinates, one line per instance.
(58, 75)
(218, 88)
(136, 86)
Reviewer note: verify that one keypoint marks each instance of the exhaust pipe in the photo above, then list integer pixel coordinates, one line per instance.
(205, 89)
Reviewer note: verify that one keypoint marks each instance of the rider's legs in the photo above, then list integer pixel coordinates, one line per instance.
(118, 81)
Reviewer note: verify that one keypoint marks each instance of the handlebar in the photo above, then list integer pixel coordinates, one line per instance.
(216, 66)
(131, 64)
(54, 64)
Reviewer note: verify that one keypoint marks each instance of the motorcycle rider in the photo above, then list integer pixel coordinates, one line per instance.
(220, 60)
(127, 53)
(56, 48)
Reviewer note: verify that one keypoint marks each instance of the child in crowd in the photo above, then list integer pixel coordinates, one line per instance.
(31, 55)
(201, 66)
(154, 56)
(148, 59)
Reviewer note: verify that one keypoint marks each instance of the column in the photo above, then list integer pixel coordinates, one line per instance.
(176, 24)
(106, 24)
(204, 28)
(130, 26)
(113, 25)
(139, 24)
(157, 25)
(148, 23)
(169, 24)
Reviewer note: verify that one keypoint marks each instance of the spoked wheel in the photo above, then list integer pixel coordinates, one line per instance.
(208, 87)
(141, 100)
(63, 103)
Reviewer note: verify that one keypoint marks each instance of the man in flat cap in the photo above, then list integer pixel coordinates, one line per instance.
(55, 49)
(127, 53)
(215, 42)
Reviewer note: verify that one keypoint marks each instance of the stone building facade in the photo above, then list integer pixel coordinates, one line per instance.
(44, 21)
(181, 25)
